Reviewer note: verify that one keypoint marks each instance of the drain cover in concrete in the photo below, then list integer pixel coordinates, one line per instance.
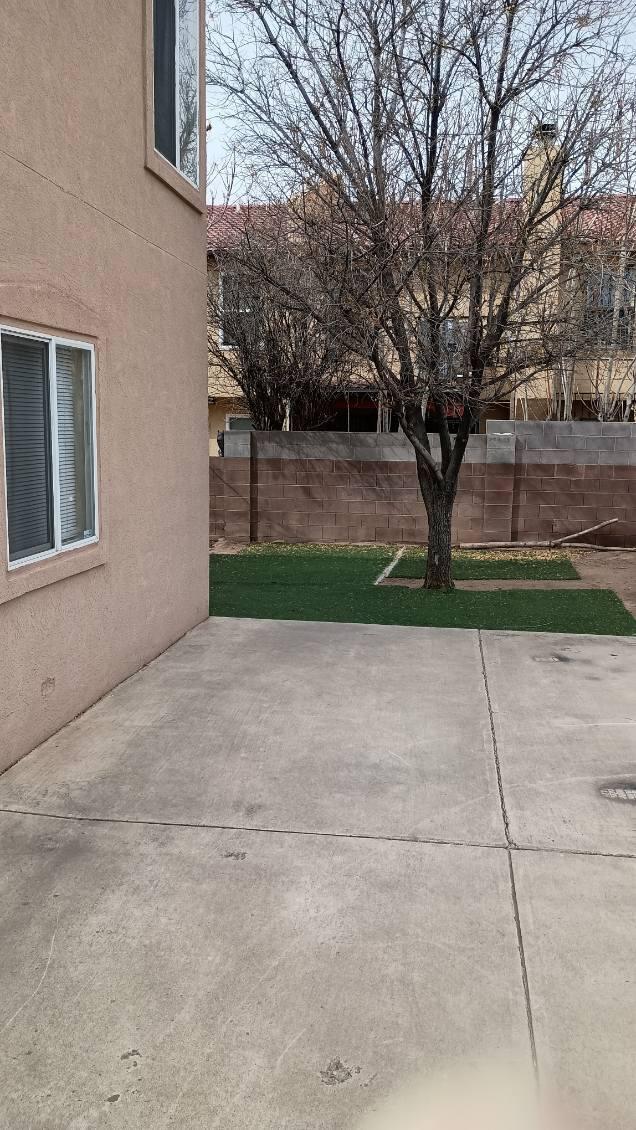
(619, 792)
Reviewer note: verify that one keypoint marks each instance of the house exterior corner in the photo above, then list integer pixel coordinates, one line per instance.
(104, 275)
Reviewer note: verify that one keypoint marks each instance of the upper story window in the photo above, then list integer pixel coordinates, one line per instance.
(610, 306)
(451, 345)
(176, 84)
(48, 395)
(236, 312)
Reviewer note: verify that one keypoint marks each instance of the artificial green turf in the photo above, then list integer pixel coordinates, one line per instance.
(337, 586)
(302, 565)
(488, 566)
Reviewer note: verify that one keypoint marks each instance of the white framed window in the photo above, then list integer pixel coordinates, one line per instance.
(176, 84)
(47, 398)
(236, 422)
(234, 308)
(606, 290)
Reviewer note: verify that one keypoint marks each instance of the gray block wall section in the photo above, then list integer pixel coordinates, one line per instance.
(363, 446)
(506, 441)
(586, 442)
(237, 445)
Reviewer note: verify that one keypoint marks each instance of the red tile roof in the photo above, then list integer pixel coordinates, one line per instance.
(608, 219)
(227, 223)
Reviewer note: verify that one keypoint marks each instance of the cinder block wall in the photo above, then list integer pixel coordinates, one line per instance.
(230, 494)
(569, 476)
(520, 481)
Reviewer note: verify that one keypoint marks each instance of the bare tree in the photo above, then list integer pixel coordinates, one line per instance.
(265, 341)
(436, 155)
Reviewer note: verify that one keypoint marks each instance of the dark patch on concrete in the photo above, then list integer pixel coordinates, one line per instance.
(47, 687)
(130, 1054)
(234, 854)
(622, 791)
(113, 1098)
(252, 809)
(336, 1072)
(247, 810)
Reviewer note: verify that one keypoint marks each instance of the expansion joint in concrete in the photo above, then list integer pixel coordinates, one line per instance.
(502, 800)
(510, 847)
(308, 833)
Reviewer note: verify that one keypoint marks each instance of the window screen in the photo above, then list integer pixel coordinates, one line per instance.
(74, 426)
(188, 67)
(27, 443)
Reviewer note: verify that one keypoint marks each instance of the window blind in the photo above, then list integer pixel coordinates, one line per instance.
(25, 381)
(165, 78)
(188, 61)
(74, 424)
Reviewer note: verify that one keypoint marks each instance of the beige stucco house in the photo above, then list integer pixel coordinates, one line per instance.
(103, 438)
(596, 292)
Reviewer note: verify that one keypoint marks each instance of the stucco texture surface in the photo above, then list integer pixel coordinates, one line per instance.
(96, 246)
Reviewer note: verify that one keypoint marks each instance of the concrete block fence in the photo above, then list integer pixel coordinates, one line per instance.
(522, 481)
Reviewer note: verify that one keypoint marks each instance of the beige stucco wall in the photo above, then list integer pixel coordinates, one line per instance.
(224, 395)
(95, 245)
(218, 414)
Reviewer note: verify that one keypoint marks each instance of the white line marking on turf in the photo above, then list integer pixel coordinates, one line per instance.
(390, 567)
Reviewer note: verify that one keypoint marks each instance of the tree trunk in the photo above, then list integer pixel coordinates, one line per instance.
(439, 508)
(439, 498)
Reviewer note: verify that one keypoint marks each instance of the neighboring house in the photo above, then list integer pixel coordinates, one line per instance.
(227, 410)
(597, 290)
(103, 447)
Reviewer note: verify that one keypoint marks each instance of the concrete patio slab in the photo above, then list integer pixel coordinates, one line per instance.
(349, 729)
(160, 975)
(564, 712)
(577, 917)
(171, 977)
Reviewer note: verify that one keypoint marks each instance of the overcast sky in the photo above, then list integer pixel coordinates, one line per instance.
(217, 142)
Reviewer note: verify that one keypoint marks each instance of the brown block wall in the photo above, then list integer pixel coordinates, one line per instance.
(572, 475)
(554, 499)
(522, 482)
(230, 499)
(335, 500)
(327, 500)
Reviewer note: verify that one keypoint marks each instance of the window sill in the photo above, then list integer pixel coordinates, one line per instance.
(17, 581)
(174, 179)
